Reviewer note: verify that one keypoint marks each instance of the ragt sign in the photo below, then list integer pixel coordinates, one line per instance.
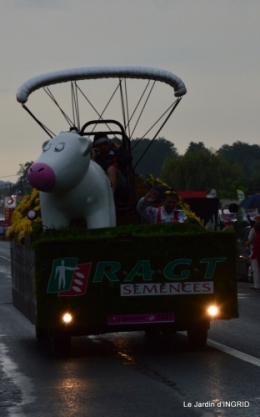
(68, 278)
(109, 270)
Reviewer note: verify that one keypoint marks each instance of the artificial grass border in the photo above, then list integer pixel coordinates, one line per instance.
(159, 244)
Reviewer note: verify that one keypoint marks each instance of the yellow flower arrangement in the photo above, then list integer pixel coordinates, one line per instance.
(21, 224)
(152, 181)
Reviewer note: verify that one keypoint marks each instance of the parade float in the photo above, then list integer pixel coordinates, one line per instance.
(82, 263)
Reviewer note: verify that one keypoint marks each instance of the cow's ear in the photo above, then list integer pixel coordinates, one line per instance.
(86, 145)
(45, 143)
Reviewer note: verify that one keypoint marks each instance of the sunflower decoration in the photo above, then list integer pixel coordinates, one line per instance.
(152, 181)
(26, 217)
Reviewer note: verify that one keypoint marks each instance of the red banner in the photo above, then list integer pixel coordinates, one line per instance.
(8, 216)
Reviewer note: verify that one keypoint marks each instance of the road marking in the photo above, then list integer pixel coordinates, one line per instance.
(7, 259)
(234, 352)
(250, 294)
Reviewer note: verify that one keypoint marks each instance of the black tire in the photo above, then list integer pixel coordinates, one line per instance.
(154, 333)
(197, 337)
(41, 334)
(61, 343)
(152, 336)
(168, 333)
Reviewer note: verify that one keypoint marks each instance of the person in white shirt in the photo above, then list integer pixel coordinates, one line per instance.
(254, 262)
(251, 236)
(166, 213)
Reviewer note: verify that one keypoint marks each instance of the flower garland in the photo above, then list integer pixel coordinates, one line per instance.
(22, 225)
(152, 181)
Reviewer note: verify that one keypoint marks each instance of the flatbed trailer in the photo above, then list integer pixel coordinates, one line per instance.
(141, 278)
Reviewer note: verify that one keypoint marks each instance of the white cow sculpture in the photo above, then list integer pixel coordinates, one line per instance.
(71, 185)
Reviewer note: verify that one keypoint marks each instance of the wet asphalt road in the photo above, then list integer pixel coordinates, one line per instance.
(123, 375)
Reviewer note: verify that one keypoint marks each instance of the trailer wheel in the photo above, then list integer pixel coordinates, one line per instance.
(152, 336)
(197, 337)
(61, 343)
(168, 333)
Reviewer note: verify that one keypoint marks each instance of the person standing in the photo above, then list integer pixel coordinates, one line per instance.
(166, 213)
(252, 234)
(228, 224)
(113, 158)
(255, 258)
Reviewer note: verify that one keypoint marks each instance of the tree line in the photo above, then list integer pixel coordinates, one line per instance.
(227, 169)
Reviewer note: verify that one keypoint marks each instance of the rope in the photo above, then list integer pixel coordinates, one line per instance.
(139, 101)
(127, 109)
(122, 103)
(154, 124)
(165, 121)
(75, 106)
(49, 93)
(142, 109)
(45, 128)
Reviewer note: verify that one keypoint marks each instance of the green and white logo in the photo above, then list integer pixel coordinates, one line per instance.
(62, 273)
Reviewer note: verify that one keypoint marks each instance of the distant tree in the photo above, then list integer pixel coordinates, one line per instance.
(7, 188)
(253, 186)
(23, 184)
(255, 172)
(194, 147)
(202, 171)
(246, 155)
(154, 156)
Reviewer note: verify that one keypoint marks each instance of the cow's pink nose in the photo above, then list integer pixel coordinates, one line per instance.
(41, 176)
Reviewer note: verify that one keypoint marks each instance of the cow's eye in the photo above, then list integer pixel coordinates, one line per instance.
(47, 146)
(59, 147)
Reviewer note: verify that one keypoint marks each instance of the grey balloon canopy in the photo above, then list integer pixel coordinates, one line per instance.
(85, 73)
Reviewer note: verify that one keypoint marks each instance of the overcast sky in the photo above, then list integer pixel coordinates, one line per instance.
(212, 45)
